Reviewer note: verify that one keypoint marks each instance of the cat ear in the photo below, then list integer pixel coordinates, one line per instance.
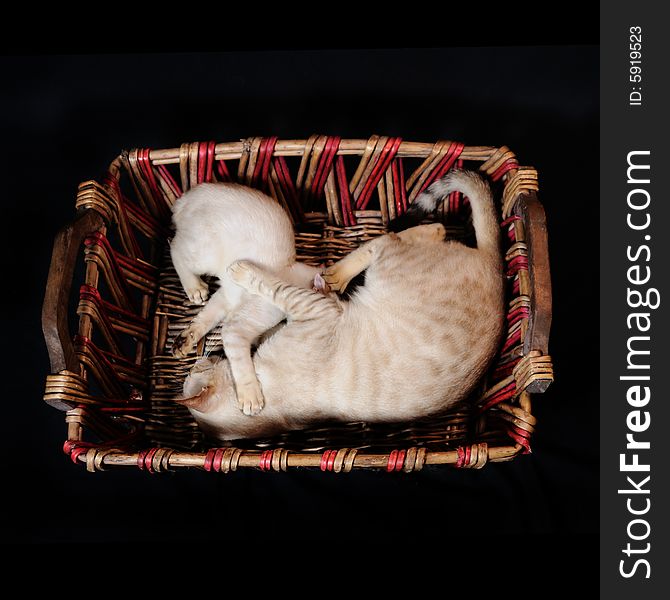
(320, 284)
(202, 402)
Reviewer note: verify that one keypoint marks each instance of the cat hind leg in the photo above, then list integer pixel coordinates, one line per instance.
(298, 304)
(196, 289)
(339, 275)
(433, 232)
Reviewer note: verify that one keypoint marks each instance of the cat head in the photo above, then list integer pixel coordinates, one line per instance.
(208, 384)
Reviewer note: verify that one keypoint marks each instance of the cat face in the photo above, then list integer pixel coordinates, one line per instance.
(208, 385)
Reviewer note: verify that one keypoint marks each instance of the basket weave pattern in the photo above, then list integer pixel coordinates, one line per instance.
(116, 377)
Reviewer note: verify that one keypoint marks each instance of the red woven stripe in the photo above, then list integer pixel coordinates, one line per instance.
(510, 220)
(345, 197)
(145, 459)
(209, 175)
(397, 188)
(396, 460)
(262, 168)
(74, 449)
(202, 162)
(383, 161)
(328, 459)
(265, 461)
(288, 189)
(509, 164)
(503, 371)
(500, 396)
(517, 314)
(93, 294)
(149, 221)
(222, 170)
(516, 264)
(138, 267)
(521, 440)
(444, 165)
(144, 162)
(121, 202)
(454, 153)
(218, 457)
(117, 274)
(171, 182)
(461, 457)
(209, 459)
(515, 338)
(76, 453)
(328, 154)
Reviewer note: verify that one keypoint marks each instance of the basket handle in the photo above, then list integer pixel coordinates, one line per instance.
(59, 282)
(535, 225)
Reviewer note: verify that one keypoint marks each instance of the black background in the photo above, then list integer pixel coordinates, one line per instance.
(66, 116)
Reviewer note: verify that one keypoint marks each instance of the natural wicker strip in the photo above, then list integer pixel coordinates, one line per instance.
(386, 194)
(382, 163)
(496, 160)
(193, 153)
(523, 181)
(140, 187)
(148, 171)
(324, 165)
(107, 203)
(534, 366)
(234, 458)
(182, 158)
(332, 200)
(345, 196)
(371, 165)
(369, 148)
(99, 250)
(452, 153)
(305, 153)
(348, 147)
(169, 186)
(416, 181)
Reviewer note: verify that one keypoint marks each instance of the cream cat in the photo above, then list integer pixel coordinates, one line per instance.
(217, 224)
(415, 339)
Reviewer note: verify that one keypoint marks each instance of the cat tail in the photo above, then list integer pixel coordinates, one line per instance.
(477, 190)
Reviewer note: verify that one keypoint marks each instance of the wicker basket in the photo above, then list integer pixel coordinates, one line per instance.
(116, 377)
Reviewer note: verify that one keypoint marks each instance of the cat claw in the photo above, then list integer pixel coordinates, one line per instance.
(250, 399)
(198, 295)
(333, 278)
(184, 343)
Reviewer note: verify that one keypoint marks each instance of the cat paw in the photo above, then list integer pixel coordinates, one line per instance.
(250, 399)
(241, 272)
(198, 294)
(335, 278)
(185, 342)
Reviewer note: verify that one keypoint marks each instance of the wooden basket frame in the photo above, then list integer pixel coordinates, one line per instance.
(103, 207)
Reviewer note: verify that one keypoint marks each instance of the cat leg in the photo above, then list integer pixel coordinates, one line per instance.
(238, 333)
(211, 315)
(196, 289)
(298, 304)
(433, 232)
(339, 275)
